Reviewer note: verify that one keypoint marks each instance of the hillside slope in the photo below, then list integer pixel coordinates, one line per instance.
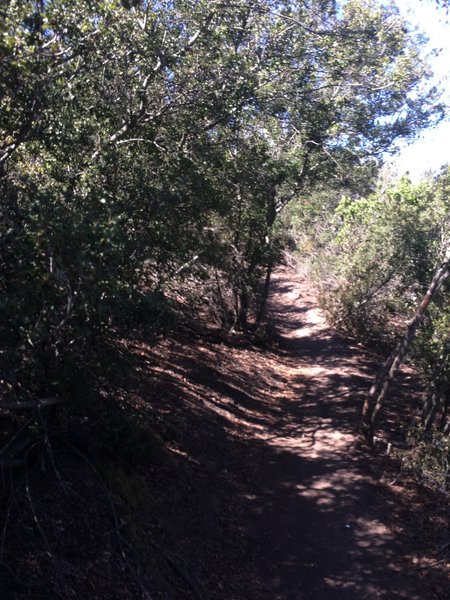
(234, 475)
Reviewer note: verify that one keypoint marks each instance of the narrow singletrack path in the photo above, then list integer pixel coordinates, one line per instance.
(322, 527)
(278, 502)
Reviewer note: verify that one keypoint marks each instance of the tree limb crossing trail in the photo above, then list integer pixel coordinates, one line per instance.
(323, 525)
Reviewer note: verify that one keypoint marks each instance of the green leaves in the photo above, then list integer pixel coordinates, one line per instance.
(137, 135)
(377, 255)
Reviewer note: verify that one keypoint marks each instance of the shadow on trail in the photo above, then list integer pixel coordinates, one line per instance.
(278, 488)
(321, 531)
(326, 529)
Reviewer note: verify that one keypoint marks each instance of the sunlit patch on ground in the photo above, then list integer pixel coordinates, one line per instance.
(277, 501)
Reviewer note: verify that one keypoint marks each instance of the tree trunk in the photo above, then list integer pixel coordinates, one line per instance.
(375, 398)
(265, 293)
(444, 424)
(435, 403)
(439, 387)
(243, 311)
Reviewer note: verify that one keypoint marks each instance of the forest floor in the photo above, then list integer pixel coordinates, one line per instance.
(271, 496)
(235, 475)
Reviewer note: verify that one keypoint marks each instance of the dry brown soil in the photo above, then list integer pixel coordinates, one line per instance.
(268, 496)
(225, 470)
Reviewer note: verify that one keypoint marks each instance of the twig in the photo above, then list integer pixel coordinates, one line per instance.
(115, 517)
(443, 547)
(5, 529)
(14, 437)
(34, 513)
(24, 584)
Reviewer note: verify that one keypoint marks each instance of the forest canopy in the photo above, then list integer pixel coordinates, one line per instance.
(146, 145)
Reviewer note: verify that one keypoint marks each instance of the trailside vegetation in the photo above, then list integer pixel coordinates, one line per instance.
(143, 144)
(154, 157)
(381, 262)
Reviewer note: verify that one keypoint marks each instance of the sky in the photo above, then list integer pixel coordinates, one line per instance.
(432, 149)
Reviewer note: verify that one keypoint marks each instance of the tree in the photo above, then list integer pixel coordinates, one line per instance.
(378, 390)
(137, 136)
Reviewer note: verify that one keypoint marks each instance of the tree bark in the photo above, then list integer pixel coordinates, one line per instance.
(377, 393)
(265, 293)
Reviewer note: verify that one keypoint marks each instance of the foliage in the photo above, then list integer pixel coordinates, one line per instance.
(374, 262)
(379, 255)
(147, 153)
(143, 144)
(429, 458)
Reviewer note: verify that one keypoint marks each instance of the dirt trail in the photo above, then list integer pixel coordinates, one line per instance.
(325, 528)
(237, 478)
(277, 503)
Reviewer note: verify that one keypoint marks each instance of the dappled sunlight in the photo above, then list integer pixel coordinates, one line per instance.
(370, 532)
(317, 501)
(271, 435)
